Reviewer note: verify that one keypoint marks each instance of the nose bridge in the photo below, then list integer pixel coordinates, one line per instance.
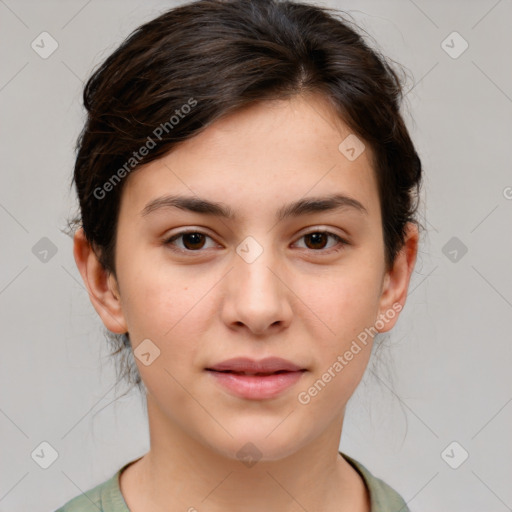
(252, 267)
(258, 298)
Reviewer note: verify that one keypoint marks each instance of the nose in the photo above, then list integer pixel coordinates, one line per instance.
(257, 295)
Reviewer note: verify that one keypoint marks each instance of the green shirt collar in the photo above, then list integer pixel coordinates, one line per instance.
(107, 497)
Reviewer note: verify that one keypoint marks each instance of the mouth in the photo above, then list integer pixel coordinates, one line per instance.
(245, 365)
(254, 374)
(253, 380)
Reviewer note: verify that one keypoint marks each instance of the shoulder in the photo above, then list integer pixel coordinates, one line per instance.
(88, 501)
(383, 497)
(96, 499)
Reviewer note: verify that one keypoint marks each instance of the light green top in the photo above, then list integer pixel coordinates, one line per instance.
(107, 497)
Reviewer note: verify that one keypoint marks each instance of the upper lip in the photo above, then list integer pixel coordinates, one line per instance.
(247, 365)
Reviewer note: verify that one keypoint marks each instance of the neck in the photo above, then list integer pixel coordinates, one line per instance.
(182, 473)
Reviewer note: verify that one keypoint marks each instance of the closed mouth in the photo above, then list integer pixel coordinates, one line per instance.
(254, 374)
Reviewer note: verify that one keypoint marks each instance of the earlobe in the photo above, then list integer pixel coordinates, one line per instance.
(396, 280)
(101, 285)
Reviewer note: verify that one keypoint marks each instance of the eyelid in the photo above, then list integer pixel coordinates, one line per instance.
(324, 229)
(169, 239)
(343, 241)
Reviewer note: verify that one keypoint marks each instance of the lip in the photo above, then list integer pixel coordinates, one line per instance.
(262, 382)
(245, 364)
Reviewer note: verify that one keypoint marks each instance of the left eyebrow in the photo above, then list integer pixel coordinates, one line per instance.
(303, 206)
(310, 205)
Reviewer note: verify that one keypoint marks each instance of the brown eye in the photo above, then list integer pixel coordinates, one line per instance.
(317, 241)
(192, 241)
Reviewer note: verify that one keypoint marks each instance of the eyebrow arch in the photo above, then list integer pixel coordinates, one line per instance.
(303, 206)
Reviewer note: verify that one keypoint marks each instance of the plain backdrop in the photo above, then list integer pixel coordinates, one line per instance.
(442, 387)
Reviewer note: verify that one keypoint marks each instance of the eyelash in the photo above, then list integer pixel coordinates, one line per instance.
(341, 241)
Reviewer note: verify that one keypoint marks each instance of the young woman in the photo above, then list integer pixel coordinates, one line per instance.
(248, 192)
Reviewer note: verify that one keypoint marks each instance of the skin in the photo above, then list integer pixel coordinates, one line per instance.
(298, 300)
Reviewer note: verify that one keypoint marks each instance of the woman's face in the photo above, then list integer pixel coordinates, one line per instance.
(258, 284)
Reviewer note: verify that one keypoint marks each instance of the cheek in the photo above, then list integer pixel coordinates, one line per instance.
(342, 352)
(171, 306)
(347, 306)
(157, 293)
(344, 304)
(166, 308)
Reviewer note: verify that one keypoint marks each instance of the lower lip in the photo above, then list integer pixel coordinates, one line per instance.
(256, 387)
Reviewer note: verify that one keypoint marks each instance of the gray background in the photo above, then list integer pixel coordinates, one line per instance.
(445, 373)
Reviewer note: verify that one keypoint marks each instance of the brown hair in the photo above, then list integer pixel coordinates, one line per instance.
(179, 73)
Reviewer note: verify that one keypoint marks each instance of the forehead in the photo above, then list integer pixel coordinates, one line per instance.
(268, 153)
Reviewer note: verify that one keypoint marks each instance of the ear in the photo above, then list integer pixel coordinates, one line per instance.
(396, 281)
(101, 285)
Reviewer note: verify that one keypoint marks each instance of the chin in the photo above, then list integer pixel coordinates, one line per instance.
(257, 445)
